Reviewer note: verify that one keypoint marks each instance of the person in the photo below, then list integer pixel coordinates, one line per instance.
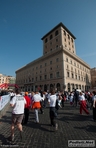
(27, 108)
(12, 94)
(82, 103)
(63, 98)
(76, 97)
(36, 105)
(18, 102)
(94, 106)
(45, 98)
(52, 112)
(71, 98)
(41, 102)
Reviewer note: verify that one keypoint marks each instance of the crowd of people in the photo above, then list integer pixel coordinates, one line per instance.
(23, 102)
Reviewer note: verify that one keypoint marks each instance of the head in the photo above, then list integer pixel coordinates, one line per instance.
(80, 93)
(26, 93)
(52, 91)
(17, 91)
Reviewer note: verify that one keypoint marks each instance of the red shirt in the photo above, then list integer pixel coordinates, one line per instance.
(28, 102)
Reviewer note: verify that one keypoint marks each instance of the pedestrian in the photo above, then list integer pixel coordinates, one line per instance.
(63, 98)
(27, 108)
(76, 97)
(36, 105)
(12, 94)
(71, 98)
(52, 112)
(45, 98)
(18, 102)
(94, 106)
(83, 105)
(41, 101)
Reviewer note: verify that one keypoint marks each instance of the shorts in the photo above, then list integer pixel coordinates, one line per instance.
(17, 118)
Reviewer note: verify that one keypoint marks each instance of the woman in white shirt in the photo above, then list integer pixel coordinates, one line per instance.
(83, 105)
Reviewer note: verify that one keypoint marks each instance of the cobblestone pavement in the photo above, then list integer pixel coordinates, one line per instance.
(71, 126)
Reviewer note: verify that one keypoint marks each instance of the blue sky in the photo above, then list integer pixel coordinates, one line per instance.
(24, 22)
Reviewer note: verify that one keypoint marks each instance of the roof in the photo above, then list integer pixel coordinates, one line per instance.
(62, 25)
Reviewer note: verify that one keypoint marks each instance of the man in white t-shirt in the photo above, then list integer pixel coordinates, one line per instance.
(18, 103)
(53, 114)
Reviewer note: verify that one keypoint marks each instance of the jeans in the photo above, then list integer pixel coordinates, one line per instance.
(36, 115)
(53, 115)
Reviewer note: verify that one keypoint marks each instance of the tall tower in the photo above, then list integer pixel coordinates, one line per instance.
(59, 36)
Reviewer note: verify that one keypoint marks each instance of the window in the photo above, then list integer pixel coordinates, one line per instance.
(74, 64)
(45, 64)
(57, 60)
(40, 77)
(50, 62)
(66, 59)
(45, 76)
(72, 75)
(67, 67)
(72, 40)
(57, 74)
(56, 46)
(67, 74)
(50, 68)
(46, 40)
(51, 36)
(71, 61)
(56, 33)
(71, 68)
(56, 40)
(68, 37)
(51, 49)
(51, 76)
(64, 32)
(40, 66)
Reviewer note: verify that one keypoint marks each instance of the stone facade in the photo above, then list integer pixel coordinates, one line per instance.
(59, 67)
(93, 78)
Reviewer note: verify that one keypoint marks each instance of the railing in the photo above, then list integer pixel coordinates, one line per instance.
(3, 101)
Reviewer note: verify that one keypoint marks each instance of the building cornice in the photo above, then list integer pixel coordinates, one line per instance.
(48, 55)
(74, 56)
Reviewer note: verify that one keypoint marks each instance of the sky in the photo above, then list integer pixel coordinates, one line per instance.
(24, 22)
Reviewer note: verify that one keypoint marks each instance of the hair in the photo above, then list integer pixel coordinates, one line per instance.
(52, 91)
(17, 91)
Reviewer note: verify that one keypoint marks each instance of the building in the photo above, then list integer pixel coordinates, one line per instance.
(93, 78)
(59, 67)
(5, 81)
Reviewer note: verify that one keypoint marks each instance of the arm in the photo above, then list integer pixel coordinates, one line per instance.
(94, 103)
(12, 105)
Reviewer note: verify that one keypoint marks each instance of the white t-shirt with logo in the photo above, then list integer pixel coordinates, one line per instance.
(52, 100)
(19, 103)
